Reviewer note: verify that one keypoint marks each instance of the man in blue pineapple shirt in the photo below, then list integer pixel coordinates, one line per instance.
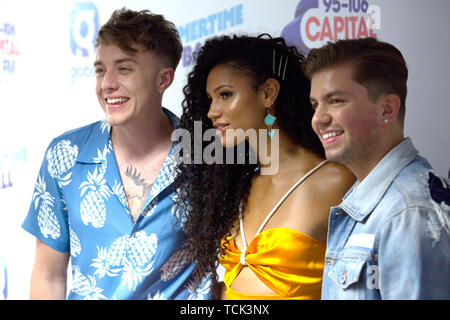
(104, 196)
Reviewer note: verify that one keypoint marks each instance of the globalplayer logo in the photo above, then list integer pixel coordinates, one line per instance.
(84, 24)
(83, 29)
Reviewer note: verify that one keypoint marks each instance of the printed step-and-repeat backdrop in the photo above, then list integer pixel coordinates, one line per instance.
(47, 81)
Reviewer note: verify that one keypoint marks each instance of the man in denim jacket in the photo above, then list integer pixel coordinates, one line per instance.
(389, 238)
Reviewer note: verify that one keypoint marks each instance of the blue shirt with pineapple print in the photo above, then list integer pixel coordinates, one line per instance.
(79, 206)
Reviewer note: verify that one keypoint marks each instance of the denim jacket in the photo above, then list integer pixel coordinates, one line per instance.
(389, 238)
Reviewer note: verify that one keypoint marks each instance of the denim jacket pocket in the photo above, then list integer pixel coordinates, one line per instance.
(346, 271)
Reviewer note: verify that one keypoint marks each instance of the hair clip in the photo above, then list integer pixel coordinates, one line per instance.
(273, 62)
(285, 65)
(279, 66)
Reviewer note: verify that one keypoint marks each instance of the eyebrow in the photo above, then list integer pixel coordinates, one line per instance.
(330, 94)
(118, 61)
(222, 86)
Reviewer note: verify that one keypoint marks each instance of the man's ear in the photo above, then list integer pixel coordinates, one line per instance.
(166, 77)
(391, 105)
(271, 89)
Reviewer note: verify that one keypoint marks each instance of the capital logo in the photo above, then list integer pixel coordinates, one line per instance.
(319, 21)
(84, 24)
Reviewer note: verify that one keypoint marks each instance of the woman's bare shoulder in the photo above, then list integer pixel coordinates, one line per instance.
(333, 180)
(338, 173)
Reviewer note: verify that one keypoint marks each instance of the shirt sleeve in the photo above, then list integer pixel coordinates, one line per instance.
(47, 217)
(414, 255)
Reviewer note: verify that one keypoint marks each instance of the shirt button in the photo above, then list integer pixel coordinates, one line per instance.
(330, 262)
(344, 277)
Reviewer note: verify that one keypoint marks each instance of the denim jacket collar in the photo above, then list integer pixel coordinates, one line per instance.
(359, 202)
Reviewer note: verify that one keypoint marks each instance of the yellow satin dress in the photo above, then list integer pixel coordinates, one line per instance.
(287, 261)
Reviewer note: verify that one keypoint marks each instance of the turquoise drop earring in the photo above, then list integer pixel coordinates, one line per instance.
(269, 120)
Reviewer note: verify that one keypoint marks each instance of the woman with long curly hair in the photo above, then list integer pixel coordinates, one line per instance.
(268, 230)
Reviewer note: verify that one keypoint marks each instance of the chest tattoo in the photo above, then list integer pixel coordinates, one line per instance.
(136, 187)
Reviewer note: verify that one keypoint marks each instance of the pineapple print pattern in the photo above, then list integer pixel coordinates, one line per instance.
(178, 261)
(92, 207)
(178, 211)
(86, 286)
(199, 288)
(75, 244)
(118, 191)
(116, 253)
(61, 158)
(157, 296)
(129, 256)
(108, 263)
(142, 248)
(47, 221)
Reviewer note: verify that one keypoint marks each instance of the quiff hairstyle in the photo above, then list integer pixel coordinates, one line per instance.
(127, 28)
(378, 66)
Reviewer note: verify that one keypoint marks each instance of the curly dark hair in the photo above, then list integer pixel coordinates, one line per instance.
(212, 193)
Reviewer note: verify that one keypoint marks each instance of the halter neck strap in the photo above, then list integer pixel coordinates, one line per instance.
(271, 213)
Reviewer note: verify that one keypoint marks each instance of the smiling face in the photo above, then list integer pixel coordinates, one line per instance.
(234, 103)
(128, 86)
(346, 120)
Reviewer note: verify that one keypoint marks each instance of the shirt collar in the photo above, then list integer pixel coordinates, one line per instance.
(172, 117)
(360, 201)
(92, 149)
